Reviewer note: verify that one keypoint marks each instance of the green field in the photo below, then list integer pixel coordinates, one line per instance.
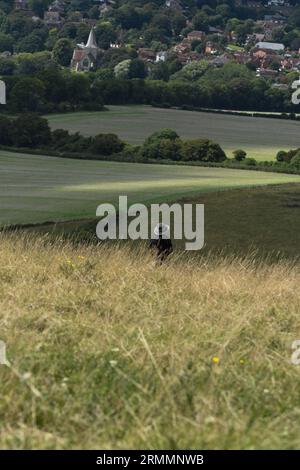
(262, 138)
(37, 188)
(262, 220)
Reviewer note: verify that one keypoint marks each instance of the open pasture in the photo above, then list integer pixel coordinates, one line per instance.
(262, 138)
(36, 189)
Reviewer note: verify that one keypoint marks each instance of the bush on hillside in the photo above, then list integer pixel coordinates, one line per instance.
(281, 156)
(163, 134)
(6, 131)
(202, 150)
(166, 145)
(27, 130)
(106, 144)
(239, 155)
(250, 162)
(31, 130)
(295, 162)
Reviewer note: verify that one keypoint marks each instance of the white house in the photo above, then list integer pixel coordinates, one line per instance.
(161, 56)
(276, 3)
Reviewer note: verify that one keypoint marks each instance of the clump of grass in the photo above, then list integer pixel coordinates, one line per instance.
(108, 350)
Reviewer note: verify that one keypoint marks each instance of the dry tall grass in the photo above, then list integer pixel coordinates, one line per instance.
(108, 350)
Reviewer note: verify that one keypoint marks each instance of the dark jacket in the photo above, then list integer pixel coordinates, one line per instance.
(162, 246)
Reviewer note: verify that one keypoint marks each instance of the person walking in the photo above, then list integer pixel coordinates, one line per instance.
(161, 244)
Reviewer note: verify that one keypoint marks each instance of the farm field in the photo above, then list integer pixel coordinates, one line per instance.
(35, 189)
(262, 138)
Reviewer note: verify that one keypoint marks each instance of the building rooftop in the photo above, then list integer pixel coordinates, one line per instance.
(272, 46)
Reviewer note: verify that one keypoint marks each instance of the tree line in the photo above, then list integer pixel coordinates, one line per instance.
(32, 133)
(61, 91)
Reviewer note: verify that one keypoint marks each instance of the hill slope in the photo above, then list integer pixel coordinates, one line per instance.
(262, 138)
(35, 189)
(109, 351)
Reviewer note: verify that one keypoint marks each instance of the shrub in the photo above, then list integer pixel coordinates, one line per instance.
(291, 154)
(162, 149)
(106, 144)
(202, 150)
(30, 130)
(281, 156)
(6, 131)
(162, 134)
(295, 162)
(215, 153)
(239, 155)
(250, 161)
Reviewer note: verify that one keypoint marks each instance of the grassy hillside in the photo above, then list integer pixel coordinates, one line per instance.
(261, 138)
(107, 350)
(38, 188)
(263, 220)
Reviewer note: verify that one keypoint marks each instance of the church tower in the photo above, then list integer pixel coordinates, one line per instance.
(91, 46)
(85, 56)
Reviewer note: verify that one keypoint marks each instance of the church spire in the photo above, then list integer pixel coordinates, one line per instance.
(92, 40)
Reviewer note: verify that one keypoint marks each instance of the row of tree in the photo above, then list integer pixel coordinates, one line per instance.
(228, 88)
(32, 131)
(291, 157)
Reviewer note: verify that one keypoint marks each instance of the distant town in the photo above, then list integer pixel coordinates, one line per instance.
(255, 42)
(168, 42)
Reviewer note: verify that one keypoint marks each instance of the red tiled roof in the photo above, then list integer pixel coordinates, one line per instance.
(79, 54)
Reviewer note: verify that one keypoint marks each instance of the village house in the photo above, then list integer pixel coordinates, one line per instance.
(253, 39)
(21, 5)
(255, 4)
(210, 48)
(52, 19)
(277, 17)
(214, 30)
(276, 3)
(267, 73)
(189, 57)
(53, 16)
(241, 58)
(266, 59)
(85, 56)
(183, 47)
(147, 55)
(270, 46)
(220, 61)
(174, 5)
(105, 6)
(268, 28)
(161, 56)
(57, 6)
(291, 64)
(196, 36)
